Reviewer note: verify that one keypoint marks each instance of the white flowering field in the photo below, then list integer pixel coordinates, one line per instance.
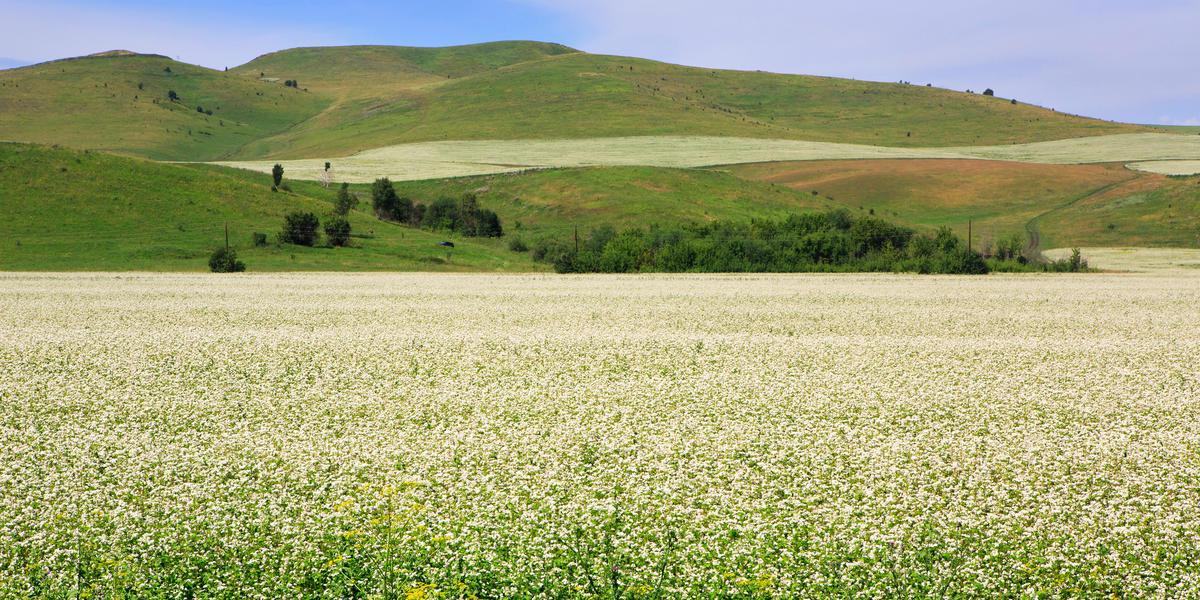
(434, 160)
(536, 436)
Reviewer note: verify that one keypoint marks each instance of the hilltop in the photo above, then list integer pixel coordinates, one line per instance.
(348, 99)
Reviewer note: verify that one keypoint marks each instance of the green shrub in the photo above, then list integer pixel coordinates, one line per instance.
(337, 230)
(300, 228)
(260, 239)
(516, 244)
(225, 260)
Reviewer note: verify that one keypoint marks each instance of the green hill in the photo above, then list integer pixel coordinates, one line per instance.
(354, 98)
(119, 102)
(578, 95)
(72, 210)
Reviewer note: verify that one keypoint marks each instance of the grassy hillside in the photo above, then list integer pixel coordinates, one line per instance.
(71, 210)
(576, 95)
(356, 98)
(556, 201)
(1150, 210)
(119, 102)
(1098, 205)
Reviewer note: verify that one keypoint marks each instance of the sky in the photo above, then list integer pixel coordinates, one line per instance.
(1125, 60)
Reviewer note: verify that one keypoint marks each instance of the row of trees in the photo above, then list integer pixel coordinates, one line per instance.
(811, 242)
(463, 216)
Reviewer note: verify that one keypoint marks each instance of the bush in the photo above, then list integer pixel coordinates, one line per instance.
(517, 245)
(337, 230)
(277, 174)
(300, 228)
(989, 92)
(260, 239)
(172, 96)
(225, 260)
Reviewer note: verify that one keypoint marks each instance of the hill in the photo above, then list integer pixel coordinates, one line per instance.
(350, 99)
(577, 95)
(556, 201)
(1061, 205)
(72, 210)
(119, 102)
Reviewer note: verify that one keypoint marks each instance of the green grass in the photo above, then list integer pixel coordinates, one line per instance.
(554, 202)
(1152, 211)
(580, 95)
(365, 97)
(96, 103)
(72, 210)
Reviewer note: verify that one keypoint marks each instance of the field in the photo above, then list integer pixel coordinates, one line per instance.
(459, 158)
(71, 210)
(1145, 260)
(1169, 167)
(516, 436)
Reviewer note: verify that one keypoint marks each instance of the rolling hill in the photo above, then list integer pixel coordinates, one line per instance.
(79, 210)
(350, 99)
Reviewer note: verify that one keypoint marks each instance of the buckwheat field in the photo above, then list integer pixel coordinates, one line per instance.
(430, 436)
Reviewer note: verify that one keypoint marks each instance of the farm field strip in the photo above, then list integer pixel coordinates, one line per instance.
(1168, 167)
(431, 160)
(369, 435)
(1136, 259)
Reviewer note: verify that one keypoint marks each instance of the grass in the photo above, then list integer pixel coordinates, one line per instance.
(462, 158)
(999, 197)
(72, 210)
(577, 95)
(97, 103)
(1152, 211)
(554, 202)
(362, 97)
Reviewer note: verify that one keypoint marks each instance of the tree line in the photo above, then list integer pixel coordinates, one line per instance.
(463, 215)
(832, 241)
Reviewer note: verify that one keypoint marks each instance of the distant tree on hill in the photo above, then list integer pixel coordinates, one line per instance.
(300, 228)
(277, 174)
(989, 92)
(172, 96)
(346, 201)
(199, 109)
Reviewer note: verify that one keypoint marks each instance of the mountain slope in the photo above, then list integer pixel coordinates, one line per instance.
(119, 102)
(578, 95)
(355, 98)
(71, 210)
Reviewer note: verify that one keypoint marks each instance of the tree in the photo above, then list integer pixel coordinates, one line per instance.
(383, 199)
(172, 96)
(337, 230)
(277, 174)
(225, 260)
(346, 201)
(989, 92)
(300, 228)
(489, 224)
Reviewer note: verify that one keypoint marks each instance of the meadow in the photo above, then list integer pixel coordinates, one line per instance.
(432, 160)
(458, 436)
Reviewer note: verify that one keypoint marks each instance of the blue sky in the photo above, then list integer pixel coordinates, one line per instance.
(1132, 61)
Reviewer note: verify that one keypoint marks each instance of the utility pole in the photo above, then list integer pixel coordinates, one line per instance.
(576, 239)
